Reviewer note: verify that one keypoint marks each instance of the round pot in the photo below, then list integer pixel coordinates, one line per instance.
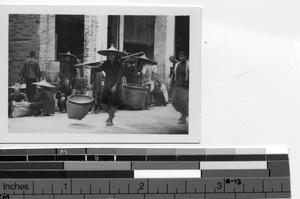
(78, 106)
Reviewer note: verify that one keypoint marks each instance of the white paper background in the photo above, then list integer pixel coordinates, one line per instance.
(250, 74)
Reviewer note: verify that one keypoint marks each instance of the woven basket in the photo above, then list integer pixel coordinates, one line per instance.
(78, 106)
(134, 96)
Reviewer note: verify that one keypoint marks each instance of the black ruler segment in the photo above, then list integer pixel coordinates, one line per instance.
(41, 158)
(32, 174)
(130, 158)
(249, 157)
(161, 158)
(191, 158)
(13, 158)
(70, 157)
(31, 165)
(99, 174)
(100, 158)
(271, 157)
(220, 158)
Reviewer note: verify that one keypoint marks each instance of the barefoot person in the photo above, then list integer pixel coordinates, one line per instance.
(43, 102)
(180, 94)
(112, 83)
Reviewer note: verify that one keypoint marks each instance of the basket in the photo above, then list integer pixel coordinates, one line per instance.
(20, 109)
(78, 106)
(52, 75)
(134, 96)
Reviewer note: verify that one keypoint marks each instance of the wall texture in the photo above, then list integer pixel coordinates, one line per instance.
(163, 44)
(23, 37)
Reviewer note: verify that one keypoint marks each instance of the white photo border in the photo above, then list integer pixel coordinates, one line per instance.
(48, 138)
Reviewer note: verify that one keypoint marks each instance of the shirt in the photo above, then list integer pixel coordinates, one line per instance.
(31, 69)
(113, 71)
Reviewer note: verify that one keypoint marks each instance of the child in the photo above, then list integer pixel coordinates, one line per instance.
(63, 92)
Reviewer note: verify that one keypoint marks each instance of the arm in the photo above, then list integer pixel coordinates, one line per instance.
(99, 68)
(38, 71)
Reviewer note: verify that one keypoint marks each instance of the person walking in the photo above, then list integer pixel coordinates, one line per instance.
(146, 72)
(180, 94)
(109, 98)
(31, 73)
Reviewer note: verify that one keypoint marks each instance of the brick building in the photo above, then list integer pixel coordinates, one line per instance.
(83, 35)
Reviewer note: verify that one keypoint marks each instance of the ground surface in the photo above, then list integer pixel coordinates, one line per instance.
(157, 120)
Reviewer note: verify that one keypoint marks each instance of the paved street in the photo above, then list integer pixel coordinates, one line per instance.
(157, 120)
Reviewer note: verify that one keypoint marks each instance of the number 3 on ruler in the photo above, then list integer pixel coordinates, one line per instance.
(219, 185)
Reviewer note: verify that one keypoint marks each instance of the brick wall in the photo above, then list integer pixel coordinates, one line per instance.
(23, 37)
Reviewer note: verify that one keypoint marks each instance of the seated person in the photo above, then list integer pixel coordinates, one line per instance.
(160, 94)
(43, 102)
(16, 96)
(63, 92)
(80, 86)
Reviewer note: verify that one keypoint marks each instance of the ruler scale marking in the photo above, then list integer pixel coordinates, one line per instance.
(216, 179)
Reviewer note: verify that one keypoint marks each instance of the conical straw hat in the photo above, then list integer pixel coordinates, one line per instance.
(44, 83)
(68, 54)
(143, 57)
(111, 50)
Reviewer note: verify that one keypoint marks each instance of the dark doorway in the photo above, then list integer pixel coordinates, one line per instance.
(113, 31)
(182, 34)
(139, 34)
(69, 30)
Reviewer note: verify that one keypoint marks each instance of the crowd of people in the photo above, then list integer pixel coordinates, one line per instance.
(105, 85)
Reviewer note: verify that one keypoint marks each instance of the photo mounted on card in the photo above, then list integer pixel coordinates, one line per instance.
(96, 74)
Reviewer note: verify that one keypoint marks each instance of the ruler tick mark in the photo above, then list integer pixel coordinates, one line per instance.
(108, 186)
(167, 188)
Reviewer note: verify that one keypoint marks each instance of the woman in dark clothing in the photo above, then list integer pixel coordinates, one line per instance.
(180, 94)
(43, 101)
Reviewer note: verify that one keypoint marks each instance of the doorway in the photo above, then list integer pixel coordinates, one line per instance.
(182, 34)
(69, 31)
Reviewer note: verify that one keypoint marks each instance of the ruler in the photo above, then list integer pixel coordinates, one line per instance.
(144, 173)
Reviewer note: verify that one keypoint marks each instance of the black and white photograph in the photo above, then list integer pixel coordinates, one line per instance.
(80, 76)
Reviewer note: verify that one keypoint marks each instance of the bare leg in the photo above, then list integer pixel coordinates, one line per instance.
(112, 111)
(106, 109)
(182, 119)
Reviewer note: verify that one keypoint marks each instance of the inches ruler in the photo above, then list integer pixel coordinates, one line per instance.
(144, 173)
